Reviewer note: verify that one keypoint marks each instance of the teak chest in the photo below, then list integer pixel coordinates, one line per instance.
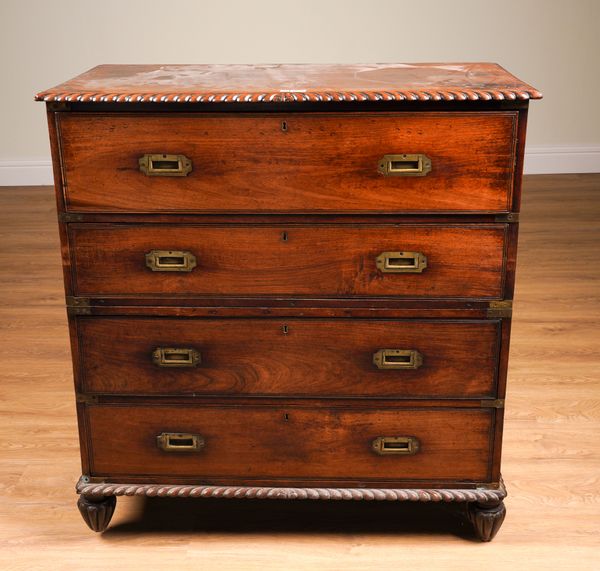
(290, 281)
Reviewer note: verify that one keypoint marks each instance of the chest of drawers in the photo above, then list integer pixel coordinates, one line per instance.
(290, 281)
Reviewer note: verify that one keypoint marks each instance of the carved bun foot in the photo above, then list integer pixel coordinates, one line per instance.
(97, 511)
(486, 518)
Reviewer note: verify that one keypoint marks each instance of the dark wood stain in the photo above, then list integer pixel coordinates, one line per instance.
(316, 357)
(256, 442)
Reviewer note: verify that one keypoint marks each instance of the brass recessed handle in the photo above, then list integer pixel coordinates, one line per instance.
(404, 165)
(165, 165)
(406, 445)
(179, 442)
(397, 359)
(170, 261)
(176, 357)
(401, 262)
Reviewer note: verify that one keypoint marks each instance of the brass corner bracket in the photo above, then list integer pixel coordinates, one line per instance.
(86, 399)
(492, 403)
(70, 217)
(78, 305)
(57, 106)
(500, 308)
(510, 218)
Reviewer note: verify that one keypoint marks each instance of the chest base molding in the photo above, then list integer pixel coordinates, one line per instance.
(480, 494)
(484, 505)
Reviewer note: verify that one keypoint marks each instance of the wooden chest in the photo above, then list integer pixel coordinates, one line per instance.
(290, 281)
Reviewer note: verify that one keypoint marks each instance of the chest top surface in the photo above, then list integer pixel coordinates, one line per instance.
(292, 83)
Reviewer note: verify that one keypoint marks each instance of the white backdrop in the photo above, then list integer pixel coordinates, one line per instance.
(552, 44)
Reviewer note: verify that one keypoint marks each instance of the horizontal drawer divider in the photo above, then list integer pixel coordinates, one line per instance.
(104, 399)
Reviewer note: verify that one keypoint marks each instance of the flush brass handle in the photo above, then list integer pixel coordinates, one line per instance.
(170, 261)
(404, 165)
(176, 357)
(397, 359)
(406, 445)
(401, 262)
(165, 165)
(179, 442)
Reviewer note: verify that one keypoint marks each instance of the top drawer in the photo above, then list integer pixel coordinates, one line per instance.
(290, 163)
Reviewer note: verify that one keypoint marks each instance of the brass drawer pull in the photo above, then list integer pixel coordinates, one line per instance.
(176, 357)
(401, 262)
(165, 165)
(170, 261)
(406, 445)
(404, 165)
(397, 359)
(179, 442)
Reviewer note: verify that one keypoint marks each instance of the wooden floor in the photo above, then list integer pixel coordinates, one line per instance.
(551, 452)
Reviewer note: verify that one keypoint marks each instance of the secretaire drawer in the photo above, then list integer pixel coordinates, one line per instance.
(412, 261)
(361, 162)
(290, 442)
(292, 357)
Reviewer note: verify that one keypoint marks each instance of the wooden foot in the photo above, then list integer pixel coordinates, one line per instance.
(487, 518)
(97, 511)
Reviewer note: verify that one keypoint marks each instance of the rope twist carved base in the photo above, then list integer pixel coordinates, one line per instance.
(285, 493)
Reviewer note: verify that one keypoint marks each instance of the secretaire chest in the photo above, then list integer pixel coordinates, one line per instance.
(290, 281)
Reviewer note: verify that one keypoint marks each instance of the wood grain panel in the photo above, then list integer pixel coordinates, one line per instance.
(313, 357)
(280, 441)
(319, 163)
(335, 260)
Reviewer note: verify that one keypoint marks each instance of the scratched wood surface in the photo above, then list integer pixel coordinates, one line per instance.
(280, 441)
(292, 83)
(551, 450)
(288, 162)
(329, 261)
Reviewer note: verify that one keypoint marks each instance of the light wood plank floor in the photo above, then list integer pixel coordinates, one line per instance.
(551, 452)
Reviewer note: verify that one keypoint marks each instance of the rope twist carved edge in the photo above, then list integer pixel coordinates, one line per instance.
(314, 96)
(249, 492)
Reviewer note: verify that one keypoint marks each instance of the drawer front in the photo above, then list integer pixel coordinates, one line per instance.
(338, 260)
(295, 357)
(289, 442)
(290, 163)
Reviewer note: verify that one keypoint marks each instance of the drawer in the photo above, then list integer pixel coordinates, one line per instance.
(261, 442)
(462, 261)
(290, 163)
(295, 357)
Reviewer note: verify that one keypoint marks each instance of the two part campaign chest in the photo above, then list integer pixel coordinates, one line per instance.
(290, 281)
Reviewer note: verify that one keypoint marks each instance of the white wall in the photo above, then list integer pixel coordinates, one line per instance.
(552, 44)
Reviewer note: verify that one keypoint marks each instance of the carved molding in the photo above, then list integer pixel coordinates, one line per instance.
(286, 493)
(290, 97)
(265, 83)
